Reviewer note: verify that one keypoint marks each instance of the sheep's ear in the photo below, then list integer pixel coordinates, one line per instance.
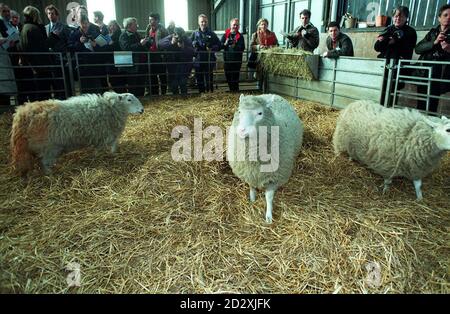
(241, 98)
(120, 97)
(270, 101)
(431, 123)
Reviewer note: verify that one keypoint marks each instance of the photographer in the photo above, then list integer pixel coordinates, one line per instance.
(233, 45)
(397, 41)
(436, 46)
(205, 43)
(306, 36)
(179, 59)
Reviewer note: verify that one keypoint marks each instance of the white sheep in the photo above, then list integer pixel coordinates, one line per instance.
(248, 145)
(46, 129)
(392, 142)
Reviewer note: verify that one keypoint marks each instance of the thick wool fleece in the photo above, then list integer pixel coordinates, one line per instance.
(280, 114)
(391, 142)
(48, 128)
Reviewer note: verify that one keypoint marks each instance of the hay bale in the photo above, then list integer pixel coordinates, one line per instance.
(289, 62)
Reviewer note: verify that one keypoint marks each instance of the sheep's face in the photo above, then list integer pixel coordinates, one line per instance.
(252, 113)
(133, 104)
(442, 133)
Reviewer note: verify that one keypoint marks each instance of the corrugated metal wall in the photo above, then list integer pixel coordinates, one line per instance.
(140, 9)
(227, 11)
(19, 5)
(195, 8)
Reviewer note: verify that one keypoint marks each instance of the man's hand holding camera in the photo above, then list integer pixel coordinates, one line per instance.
(177, 41)
(444, 40)
(231, 40)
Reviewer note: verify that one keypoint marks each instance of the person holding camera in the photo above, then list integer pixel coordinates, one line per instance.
(306, 36)
(233, 45)
(436, 46)
(154, 32)
(205, 43)
(83, 40)
(179, 59)
(397, 41)
(130, 40)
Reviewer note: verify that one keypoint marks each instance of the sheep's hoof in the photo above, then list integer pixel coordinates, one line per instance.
(269, 219)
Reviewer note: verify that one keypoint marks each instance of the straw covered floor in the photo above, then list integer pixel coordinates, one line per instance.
(138, 222)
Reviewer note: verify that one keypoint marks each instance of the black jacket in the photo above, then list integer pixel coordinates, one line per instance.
(309, 42)
(428, 50)
(344, 46)
(232, 48)
(405, 39)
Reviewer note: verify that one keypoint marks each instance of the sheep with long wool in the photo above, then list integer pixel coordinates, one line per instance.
(47, 129)
(392, 142)
(261, 124)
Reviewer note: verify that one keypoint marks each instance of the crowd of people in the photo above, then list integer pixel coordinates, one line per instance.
(169, 55)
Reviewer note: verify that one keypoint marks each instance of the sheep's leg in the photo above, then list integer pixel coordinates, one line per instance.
(270, 193)
(417, 186)
(49, 159)
(387, 183)
(114, 147)
(252, 194)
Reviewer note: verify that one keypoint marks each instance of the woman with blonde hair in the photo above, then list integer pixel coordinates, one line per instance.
(263, 38)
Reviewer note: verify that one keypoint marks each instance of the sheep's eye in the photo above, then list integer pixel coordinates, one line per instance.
(259, 113)
(448, 130)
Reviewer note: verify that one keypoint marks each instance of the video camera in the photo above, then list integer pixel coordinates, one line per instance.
(394, 33)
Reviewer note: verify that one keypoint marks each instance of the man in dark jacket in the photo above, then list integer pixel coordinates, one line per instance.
(130, 40)
(155, 31)
(306, 36)
(338, 44)
(83, 40)
(179, 59)
(206, 43)
(436, 46)
(58, 36)
(233, 45)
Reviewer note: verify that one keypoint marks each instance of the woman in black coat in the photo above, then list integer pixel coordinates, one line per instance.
(33, 38)
(436, 46)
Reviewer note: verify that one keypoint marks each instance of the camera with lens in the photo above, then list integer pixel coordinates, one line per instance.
(231, 40)
(447, 38)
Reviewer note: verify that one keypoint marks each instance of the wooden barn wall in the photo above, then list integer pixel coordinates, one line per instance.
(195, 8)
(227, 11)
(140, 9)
(19, 5)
